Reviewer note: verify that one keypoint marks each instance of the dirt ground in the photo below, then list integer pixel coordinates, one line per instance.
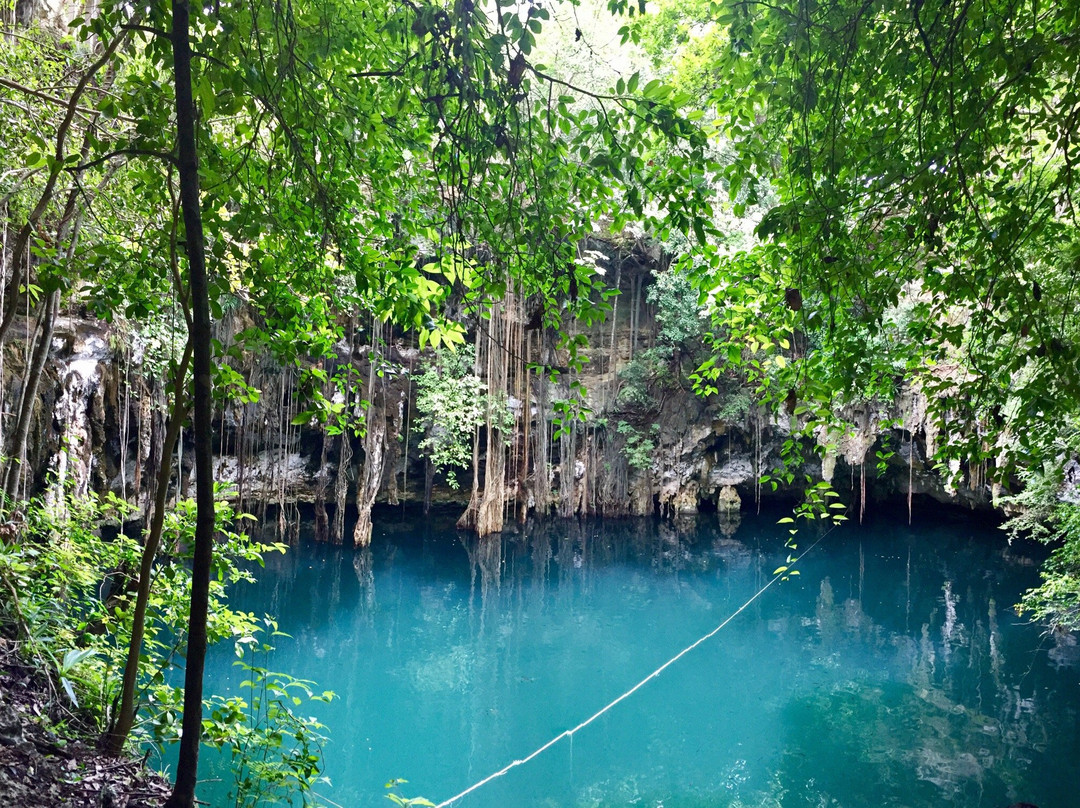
(42, 768)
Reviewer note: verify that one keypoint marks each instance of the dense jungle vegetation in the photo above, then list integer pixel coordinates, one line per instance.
(856, 200)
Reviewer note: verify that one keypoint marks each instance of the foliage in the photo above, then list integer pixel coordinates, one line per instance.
(922, 229)
(638, 448)
(70, 602)
(904, 184)
(643, 376)
(452, 402)
(735, 404)
(275, 753)
(1050, 513)
(678, 314)
(62, 577)
(393, 788)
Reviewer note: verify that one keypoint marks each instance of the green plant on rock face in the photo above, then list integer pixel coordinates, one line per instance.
(735, 406)
(638, 448)
(276, 754)
(643, 377)
(452, 402)
(678, 312)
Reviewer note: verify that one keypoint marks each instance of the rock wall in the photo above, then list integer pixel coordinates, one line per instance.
(101, 419)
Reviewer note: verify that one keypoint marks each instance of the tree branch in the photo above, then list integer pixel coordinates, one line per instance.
(169, 158)
(146, 29)
(398, 71)
(52, 99)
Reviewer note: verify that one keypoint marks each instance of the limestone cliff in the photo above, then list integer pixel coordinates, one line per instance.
(646, 443)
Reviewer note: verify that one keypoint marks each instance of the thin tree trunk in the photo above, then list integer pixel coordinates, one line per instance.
(370, 476)
(492, 508)
(125, 717)
(183, 795)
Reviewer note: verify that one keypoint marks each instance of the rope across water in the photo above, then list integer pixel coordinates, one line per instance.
(569, 733)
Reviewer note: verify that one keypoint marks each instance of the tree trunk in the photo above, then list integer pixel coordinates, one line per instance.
(183, 795)
(125, 717)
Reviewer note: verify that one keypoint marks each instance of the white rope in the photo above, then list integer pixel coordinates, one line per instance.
(570, 732)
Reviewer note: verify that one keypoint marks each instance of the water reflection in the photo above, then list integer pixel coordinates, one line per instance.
(892, 671)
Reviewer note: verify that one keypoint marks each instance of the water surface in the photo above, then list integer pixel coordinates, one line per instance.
(891, 672)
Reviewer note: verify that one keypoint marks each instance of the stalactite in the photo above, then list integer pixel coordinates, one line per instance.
(123, 404)
(159, 408)
(612, 386)
(408, 436)
(142, 441)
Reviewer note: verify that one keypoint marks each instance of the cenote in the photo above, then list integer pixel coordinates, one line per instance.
(892, 671)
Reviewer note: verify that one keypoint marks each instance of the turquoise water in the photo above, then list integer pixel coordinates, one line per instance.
(891, 672)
